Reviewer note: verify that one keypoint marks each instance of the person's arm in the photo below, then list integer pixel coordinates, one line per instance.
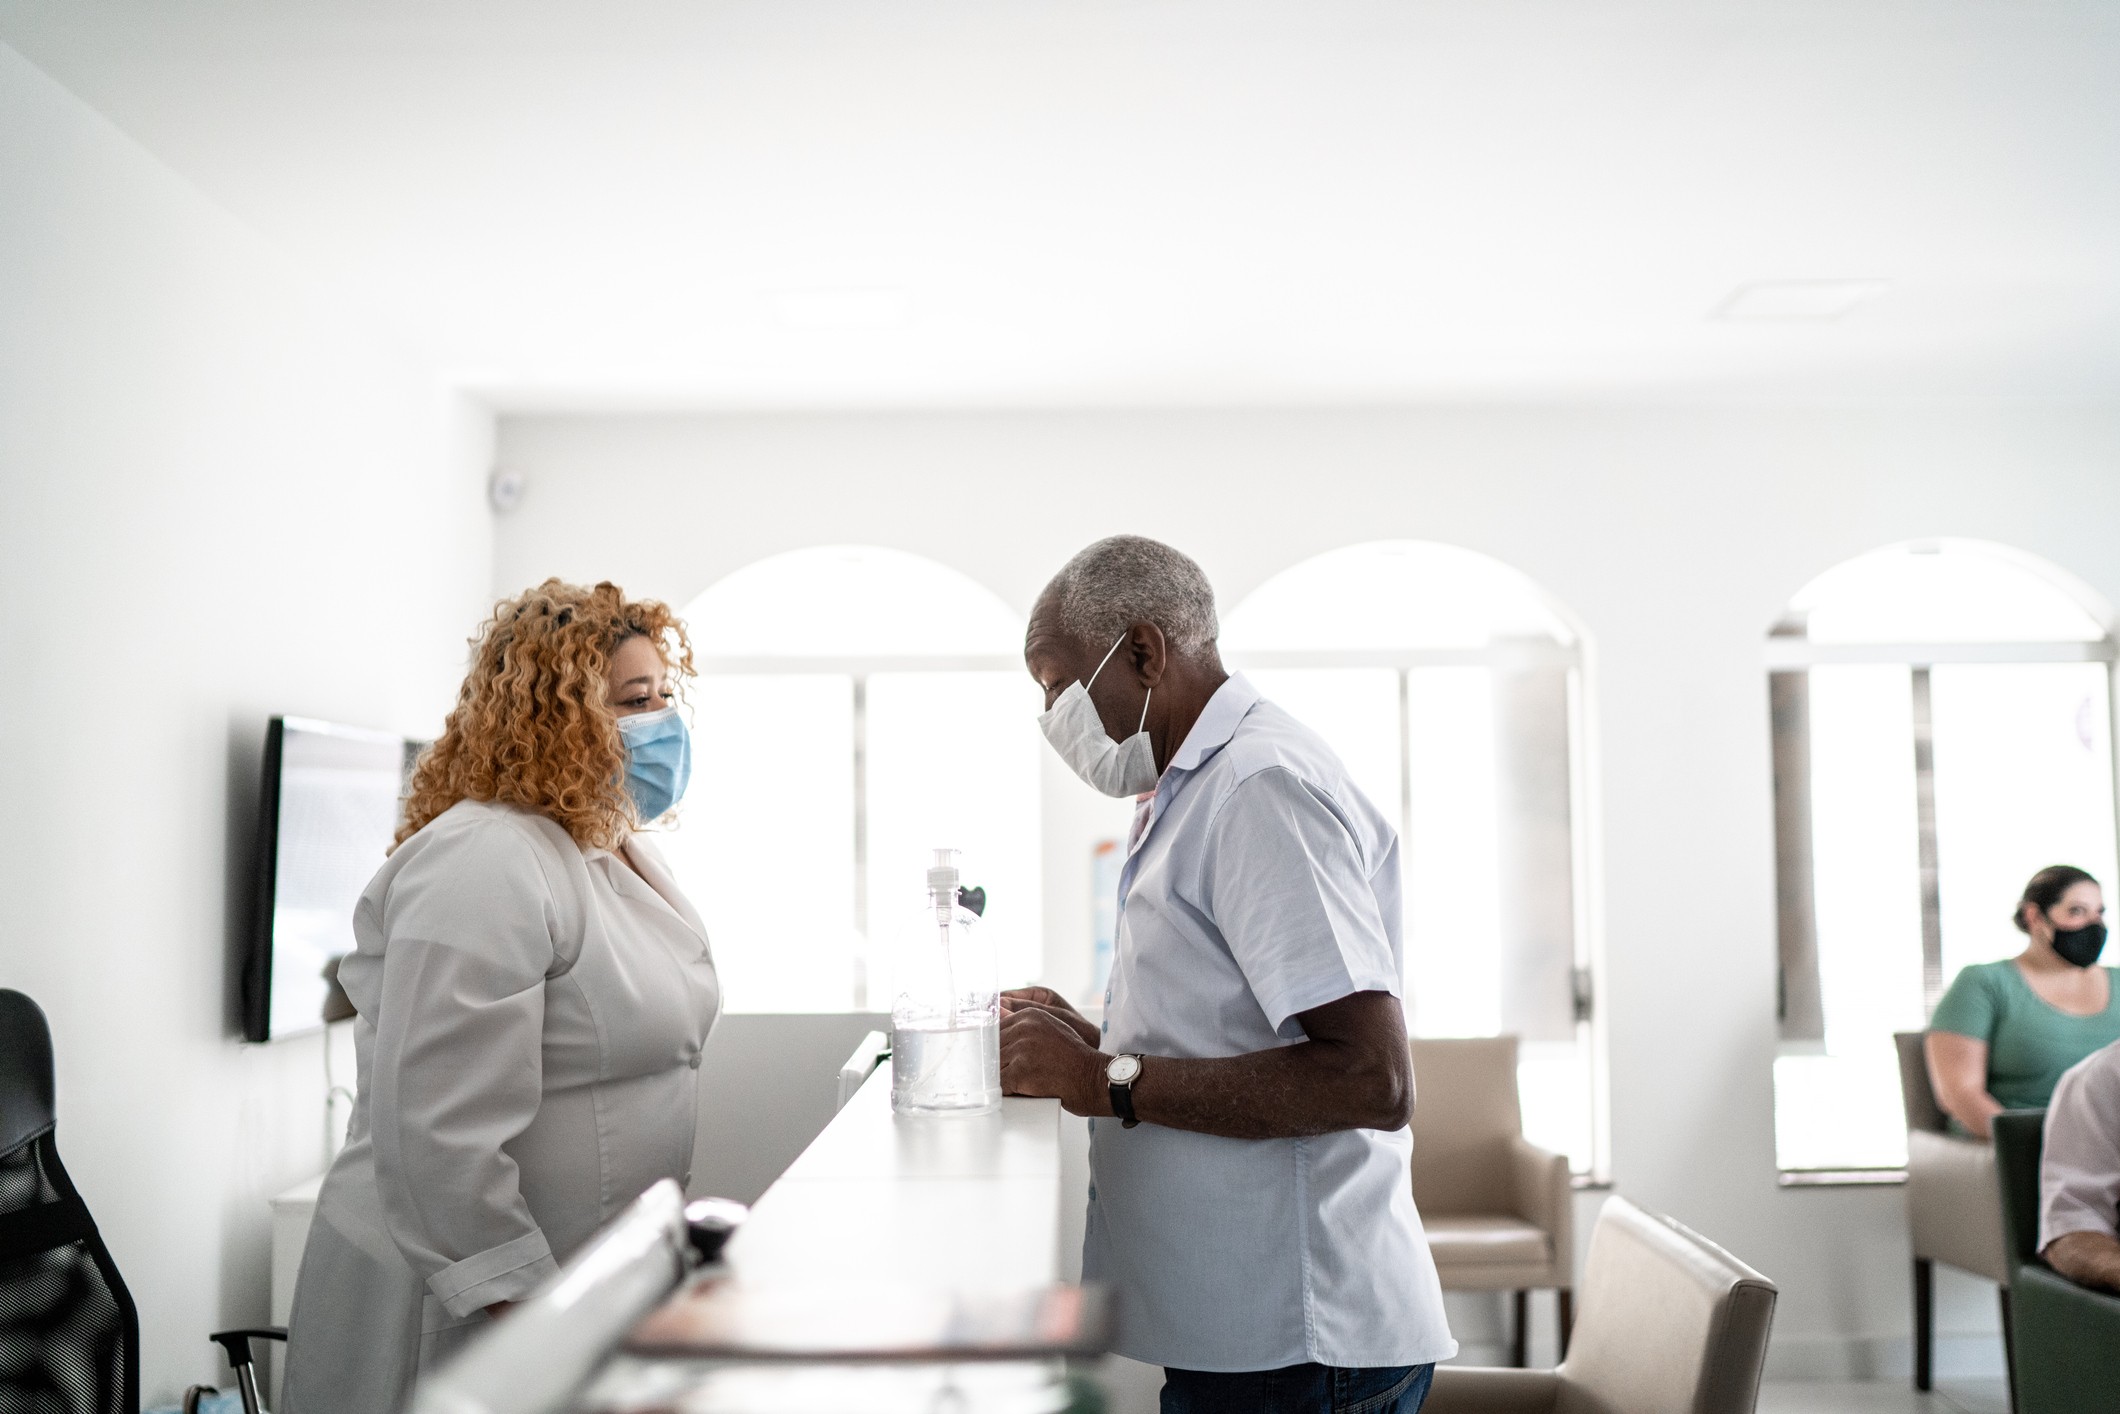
(2086, 1258)
(1286, 876)
(457, 1068)
(1958, 1074)
(1353, 1072)
(2079, 1173)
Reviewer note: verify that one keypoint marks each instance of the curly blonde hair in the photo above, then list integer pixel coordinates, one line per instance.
(531, 725)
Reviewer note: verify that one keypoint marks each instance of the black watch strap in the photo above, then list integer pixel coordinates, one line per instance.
(1123, 1097)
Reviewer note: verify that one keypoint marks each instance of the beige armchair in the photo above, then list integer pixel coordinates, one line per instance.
(1498, 1209)
(1954, 1203)
(1672, 1324)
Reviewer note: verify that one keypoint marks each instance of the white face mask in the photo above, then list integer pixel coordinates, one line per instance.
(1118, 768)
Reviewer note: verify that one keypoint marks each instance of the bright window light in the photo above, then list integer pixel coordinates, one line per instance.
(1453, 868)
(764, 846)
(2026, 782)
(953, 762)
(868, 709)
(2020, 776)
(1866, 854)
(1948, 591)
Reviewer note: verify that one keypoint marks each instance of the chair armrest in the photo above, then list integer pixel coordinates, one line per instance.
(1462, 1389)
(1954, 1203)
(1543, 1187)
(2065, 1335)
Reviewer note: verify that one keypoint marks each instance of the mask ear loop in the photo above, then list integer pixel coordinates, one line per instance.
(1102, 661)
(1144, 701)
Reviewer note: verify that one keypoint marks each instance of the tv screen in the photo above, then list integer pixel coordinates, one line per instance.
(333, 796)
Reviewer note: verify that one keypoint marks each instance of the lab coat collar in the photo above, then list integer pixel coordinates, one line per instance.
(651, 882)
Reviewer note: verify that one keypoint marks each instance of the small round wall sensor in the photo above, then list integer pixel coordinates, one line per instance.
(505, 489)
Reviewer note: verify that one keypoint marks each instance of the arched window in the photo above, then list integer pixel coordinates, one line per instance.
(1449, 684)
(1942, 718)
(856, 708)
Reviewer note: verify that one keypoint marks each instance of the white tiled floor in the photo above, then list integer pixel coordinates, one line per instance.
(1884, 1397)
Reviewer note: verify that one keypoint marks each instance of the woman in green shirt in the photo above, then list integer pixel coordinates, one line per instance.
(2006, 1030)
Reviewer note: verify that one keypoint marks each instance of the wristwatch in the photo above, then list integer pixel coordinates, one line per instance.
(1121, 1075)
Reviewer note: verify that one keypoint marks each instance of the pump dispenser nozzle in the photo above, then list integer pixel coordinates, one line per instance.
(942, 884)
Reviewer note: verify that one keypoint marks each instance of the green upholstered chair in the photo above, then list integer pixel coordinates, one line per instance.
(2065, 1337)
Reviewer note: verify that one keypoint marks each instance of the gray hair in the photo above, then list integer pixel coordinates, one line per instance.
(1124, 580)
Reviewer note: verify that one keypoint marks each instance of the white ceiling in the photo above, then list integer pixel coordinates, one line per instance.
(910, 202)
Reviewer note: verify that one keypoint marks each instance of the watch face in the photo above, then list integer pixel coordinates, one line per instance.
(1123, 1069)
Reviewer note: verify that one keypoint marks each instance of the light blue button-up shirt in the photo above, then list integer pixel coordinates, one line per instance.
(1259, 884)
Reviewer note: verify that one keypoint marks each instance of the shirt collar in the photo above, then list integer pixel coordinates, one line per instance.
(1217, 723)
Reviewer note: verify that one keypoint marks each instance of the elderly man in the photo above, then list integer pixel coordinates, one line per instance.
(1251, 1086)
(2079, 1174)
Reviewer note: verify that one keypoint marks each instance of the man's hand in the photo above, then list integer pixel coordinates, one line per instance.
(1044, 1054)
(1047, 1000)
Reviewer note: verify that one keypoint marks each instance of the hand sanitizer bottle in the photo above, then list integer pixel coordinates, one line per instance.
(946, 1020)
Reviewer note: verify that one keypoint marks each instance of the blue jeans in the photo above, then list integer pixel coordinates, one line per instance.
(1299, 1389)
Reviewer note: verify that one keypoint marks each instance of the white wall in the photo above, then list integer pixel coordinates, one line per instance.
(219, 499)
(1676, 534)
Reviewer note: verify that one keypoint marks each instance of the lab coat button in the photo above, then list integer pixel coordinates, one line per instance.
(694, 1062)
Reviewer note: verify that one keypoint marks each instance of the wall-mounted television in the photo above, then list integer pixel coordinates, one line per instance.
(332, 799)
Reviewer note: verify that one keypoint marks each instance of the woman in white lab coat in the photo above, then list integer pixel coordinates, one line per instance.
(533, 993)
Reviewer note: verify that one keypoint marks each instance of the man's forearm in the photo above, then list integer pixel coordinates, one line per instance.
(2086, 1258)
(1313, 1087)
(1353, 1072)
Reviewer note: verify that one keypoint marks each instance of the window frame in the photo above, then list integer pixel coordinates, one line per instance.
(1788, 659)
(859, 668)
(1503, 655)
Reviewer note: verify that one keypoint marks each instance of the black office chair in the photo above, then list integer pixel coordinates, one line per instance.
(69, 1333)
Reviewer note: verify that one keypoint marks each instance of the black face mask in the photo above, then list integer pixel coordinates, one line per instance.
(2079, 947)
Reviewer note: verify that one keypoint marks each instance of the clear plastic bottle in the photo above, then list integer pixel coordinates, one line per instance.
(946, 1019)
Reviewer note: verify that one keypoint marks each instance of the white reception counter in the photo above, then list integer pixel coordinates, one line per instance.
(977, 1201)
(987, 1201)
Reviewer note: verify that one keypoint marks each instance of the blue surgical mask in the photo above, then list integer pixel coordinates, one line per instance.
(658, 760)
